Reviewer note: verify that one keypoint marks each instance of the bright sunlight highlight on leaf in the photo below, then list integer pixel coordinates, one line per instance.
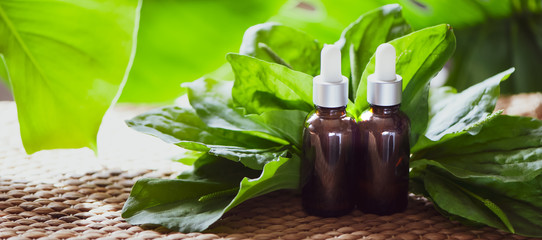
(66, 64)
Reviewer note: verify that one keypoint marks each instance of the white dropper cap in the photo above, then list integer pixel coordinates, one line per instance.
(330, 88)
(384, 86)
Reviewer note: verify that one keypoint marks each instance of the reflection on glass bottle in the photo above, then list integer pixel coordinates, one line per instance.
(383, 180)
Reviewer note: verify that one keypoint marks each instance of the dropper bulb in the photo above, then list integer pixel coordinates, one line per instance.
(385, 62)
(330, 63)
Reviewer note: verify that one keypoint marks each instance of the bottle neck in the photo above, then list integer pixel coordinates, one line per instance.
(385, 110)
(331, 112)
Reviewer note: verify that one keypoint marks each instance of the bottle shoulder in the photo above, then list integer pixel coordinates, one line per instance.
(397, 121)
(315, 122)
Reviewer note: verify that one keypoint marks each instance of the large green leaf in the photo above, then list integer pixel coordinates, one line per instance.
(520, 201)
(174, 203)
(261, 86)
(455, 112)
(251, 158)
(360, 40)
(282, 173)
(511, 165)
(188, 157)
(194, 202)
(505, 148)
(212, 168)
(213, 103)
(512, 206)
(457, 200)
(185, 204)
(420, 56)
(283, 45)
(66, 62)
(184, 127)
(490, 176)
(290, 128)
(180, 41)
(498, 133)
(473, 129)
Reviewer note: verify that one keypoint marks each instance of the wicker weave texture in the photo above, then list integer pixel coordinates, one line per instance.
(88, 207)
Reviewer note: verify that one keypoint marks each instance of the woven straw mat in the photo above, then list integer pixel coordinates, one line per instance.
(72, 194)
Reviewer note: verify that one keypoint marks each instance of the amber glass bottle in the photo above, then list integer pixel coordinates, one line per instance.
(328, 139)
(327, 142)
(383, 179)
(381, 186)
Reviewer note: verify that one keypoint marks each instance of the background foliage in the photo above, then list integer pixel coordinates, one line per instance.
(181, 40)
(492, 36)
(66, 63)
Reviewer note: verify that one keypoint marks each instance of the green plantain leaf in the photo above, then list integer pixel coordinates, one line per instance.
(280, 44)
(493, 173)
(174, 203)
(64, 73)
(505, 148)
(261, 86)
(218, 169)
(290, 128)
(251, 158)
(360, 40)
(473, 129)
(183, 204)
(199, 198)
(213, 103)
(457, 200)
(183, 127)
(455, 112)
(513, 206)
(520, 201)
(188, 157)
(281, 173)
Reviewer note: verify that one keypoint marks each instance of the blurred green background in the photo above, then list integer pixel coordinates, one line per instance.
(181, 40)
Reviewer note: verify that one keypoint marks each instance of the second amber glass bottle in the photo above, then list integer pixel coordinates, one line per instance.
(382, 180)
(329, 139)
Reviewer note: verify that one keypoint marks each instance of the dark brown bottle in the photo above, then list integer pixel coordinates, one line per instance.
(382, 184)
(382, 179)
(328, 140)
